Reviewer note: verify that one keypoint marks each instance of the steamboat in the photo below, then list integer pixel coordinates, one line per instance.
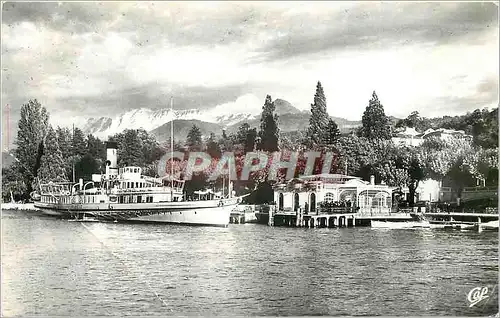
(124, 194)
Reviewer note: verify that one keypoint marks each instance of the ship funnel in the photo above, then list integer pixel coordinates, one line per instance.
(372, 180)
(111, 158)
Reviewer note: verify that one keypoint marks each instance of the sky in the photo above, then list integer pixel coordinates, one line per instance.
(92, 59)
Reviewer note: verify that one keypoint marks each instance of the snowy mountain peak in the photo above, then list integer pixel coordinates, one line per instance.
(245, 108)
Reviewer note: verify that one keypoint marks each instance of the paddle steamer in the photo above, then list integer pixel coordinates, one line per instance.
(124, 194)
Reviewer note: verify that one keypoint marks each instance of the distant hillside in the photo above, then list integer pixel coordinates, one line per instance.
(288, 122)
(300, 121)
(284, 107)
(182, 127)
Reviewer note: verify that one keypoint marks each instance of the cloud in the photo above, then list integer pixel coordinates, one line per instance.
(374, 25)
(71, 17)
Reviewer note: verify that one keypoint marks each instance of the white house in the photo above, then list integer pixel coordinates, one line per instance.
(408, 137)
(411, 137)
(445, 134)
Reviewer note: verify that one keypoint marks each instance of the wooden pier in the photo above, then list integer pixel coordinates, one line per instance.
(295, 219)
(351, 219)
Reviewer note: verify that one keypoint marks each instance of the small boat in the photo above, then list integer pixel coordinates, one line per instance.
(417, 221)
(400, 225)
(451, 225)
(492, 225)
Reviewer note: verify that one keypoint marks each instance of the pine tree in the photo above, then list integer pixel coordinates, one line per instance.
(375, 123)
(52, 166)
(319, 120)
(246, 137)
(33, 126)
(269, 130)
(131, 149)
(194, 141)
(241, 135)
(332, 133)
(213, 148)
(250, 140)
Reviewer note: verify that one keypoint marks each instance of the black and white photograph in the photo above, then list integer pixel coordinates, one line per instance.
(249, 158)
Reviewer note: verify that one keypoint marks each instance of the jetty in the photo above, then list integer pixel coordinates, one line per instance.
(329, 219)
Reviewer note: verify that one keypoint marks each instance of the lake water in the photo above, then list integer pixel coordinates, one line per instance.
(55, 267)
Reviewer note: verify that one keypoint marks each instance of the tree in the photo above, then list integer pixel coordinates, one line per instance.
(241, 134)
(416, 173)
(86, 166)
(269, 130)
(131, 149)
(13, 185)
(213, 148)
(332, 132)
(33, 126)
(404, 167)
(375, 123)
(251, 137)
(150, 147)
(487, 166)
(246, 137)
(415, 121)
(319, 120)
(79, 143)
(96, 148)
(194, 141)
(485, 131)
(461, 174)
(64, 140)
(52, 166)
(356, 155)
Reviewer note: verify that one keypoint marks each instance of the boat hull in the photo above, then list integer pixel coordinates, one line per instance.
(209, 212)
(218, 216)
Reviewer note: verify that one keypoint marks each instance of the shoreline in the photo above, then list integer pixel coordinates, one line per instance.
(19, 206)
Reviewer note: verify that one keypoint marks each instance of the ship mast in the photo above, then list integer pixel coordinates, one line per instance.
(172, 149)
(73, 159)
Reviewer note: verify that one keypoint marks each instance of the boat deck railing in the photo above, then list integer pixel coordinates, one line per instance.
(147, 190)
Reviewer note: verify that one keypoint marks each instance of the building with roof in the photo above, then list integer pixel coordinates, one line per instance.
(410, 137)
(309, 192)
(445, 134)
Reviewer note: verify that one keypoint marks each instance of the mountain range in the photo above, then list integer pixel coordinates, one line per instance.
(157, 122)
